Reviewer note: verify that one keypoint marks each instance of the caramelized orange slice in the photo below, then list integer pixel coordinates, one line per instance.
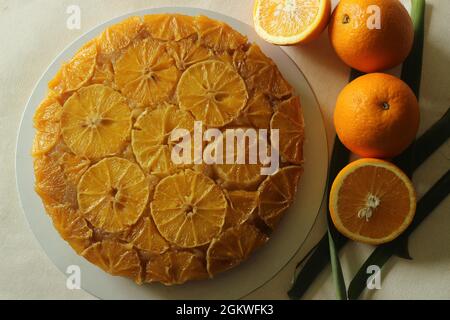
(112, 194)
(115, 258)
(277, 193)
(232, 247)
(189, 209)
(146, 73)
(213, 91)
(176, 267)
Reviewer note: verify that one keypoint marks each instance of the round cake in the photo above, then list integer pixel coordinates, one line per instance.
(104, 145)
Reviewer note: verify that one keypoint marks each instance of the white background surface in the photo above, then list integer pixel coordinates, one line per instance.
(34, 32)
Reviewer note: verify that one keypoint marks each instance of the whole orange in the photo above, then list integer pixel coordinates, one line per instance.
(377, 116)
(371, 35)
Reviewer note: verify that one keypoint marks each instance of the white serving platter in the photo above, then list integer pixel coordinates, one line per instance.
(237, 283)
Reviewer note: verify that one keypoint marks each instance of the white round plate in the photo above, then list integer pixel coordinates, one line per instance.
(234, 284)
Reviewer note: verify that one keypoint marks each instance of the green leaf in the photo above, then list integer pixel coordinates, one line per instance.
(429, 142)
(338, 277)
(403, 248)
(438, 192)
(412, 67)
(339, 159)
(318, 260)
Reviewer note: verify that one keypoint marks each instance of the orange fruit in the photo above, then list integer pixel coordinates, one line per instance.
(290, 22)
(288, 119)
(115, 258)
(112, 194)
(277, 193)
(362, 44)
(232, 247)
(372, 201)
(377, 115)
(96, 122)
(213, 92)
(176, 267)
(188, 209)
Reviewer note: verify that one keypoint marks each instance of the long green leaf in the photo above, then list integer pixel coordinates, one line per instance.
(339, 159)
(430, 141)
(383, 253)
(338, 276)
(412, 67)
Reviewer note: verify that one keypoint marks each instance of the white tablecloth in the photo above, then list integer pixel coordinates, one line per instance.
(34, 32)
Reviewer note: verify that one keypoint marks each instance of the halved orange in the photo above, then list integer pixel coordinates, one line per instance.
(372, 201)
(289, 22)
